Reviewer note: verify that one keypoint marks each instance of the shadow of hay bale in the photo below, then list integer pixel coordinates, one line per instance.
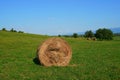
(36, 61)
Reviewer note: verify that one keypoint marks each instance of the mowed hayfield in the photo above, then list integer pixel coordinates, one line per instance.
(91, 60)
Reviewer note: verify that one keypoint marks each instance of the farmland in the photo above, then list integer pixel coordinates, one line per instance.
(91, 60)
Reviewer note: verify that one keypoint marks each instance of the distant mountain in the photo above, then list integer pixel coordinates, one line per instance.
(115, 30)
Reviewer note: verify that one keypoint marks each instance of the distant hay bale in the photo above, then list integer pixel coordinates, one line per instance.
(54, 52)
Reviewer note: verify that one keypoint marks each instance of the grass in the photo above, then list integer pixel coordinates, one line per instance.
(91, 60)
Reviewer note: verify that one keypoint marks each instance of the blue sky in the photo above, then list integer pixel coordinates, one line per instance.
(53, 17)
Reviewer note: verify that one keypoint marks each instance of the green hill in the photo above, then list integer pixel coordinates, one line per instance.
(91, 60)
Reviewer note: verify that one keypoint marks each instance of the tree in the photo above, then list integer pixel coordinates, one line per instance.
(59, 35)
(12, 30)
(89, 34)
(104, 34)
(3, 29)
(75, 35)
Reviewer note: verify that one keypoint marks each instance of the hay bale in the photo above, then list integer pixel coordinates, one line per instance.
(54, 52)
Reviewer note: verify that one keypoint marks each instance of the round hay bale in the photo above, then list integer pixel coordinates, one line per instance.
(54, 52)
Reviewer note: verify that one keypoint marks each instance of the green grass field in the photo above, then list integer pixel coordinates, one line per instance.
(91, 60)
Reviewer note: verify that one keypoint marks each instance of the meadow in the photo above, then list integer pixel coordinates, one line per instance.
(91, 60)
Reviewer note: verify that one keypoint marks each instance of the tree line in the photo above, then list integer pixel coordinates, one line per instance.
(11, 30)
(101, 34)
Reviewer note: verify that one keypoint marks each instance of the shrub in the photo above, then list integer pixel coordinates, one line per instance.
(20, 32)
(14, 31)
